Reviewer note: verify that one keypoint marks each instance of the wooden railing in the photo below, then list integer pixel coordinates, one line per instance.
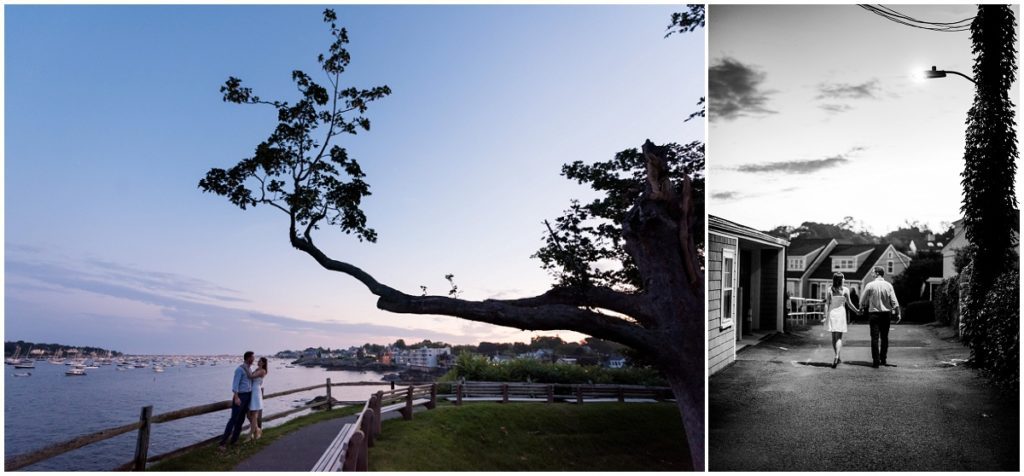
(802, 309)
(147, 420)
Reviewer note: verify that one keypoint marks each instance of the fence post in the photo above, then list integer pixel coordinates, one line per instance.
(328, 394)
(458, 394)
(579, 394)
(407, 412)
(376, 409)
(622, 396)
(368, 425)
(142, 444)
(392, 385)
(551, 393)
(504, 393)
(433, 397)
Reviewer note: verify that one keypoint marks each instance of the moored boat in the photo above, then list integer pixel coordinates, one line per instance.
(75, 372)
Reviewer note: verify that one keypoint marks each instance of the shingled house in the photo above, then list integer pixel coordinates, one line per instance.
(746, 276)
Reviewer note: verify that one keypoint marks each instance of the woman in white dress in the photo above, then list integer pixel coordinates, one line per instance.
(837, 301)
(256, 405)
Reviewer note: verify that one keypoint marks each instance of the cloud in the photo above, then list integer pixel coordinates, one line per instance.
(728, 195)
(800, 167)
(123, 304)
(865, 90)
(835, 108)
(735, 91)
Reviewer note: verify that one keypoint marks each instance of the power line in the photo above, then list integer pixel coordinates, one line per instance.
(904, 19)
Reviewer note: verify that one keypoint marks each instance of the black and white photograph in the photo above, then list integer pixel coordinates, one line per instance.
(863, 238)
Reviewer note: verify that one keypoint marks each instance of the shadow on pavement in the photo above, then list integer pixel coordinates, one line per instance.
(816, 364)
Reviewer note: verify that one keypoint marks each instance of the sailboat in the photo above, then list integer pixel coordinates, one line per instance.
(14, 359)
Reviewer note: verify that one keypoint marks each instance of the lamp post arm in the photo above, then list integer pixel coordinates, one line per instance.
(962, 75)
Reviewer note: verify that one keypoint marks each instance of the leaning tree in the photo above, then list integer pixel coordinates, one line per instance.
(648, 223)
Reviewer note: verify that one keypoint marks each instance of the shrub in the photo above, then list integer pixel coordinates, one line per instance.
(946, 301)
(476, 367)
(1000, 316)
(919, 311)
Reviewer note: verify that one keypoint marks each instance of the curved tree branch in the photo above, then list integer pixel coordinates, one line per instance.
(554, 310)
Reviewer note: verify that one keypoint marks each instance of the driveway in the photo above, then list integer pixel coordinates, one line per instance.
(781, 407)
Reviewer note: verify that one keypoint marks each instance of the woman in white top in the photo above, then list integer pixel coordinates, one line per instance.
(837, 301)
(256, 405)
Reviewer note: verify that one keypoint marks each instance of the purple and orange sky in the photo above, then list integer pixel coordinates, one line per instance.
(113, 115)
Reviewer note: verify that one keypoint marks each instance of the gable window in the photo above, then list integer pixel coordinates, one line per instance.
(844, 264)
(795, 264)
(889, 267)
(728, 287)
(890, 255)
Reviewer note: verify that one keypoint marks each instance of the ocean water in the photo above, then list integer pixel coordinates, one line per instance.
(49, 407)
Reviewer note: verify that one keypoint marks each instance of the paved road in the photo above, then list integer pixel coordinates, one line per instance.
(782, 407)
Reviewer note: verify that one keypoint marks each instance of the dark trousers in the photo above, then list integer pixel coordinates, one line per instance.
(879, 322)
(238, 414)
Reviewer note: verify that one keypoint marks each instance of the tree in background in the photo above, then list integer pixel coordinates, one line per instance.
(847, 231)
(989, 204)
(649, 221)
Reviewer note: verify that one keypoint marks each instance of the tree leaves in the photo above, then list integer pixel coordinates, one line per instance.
(290, 170)
(584, 247)
(688, 21)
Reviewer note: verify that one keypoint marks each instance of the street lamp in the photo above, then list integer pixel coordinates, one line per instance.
(938, 73)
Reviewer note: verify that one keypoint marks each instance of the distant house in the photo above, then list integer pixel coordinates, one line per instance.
(802, 258)
(616, 361)
(856, 262)
(566, 360)
(425, 357)
(958, 242)
(746, 279)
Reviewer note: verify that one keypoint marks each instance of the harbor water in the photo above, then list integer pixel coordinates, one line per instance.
(49, 407)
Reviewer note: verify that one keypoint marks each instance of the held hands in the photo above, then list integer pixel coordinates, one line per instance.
(236, 400)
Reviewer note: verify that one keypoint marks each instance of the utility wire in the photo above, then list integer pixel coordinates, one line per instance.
(904, 19)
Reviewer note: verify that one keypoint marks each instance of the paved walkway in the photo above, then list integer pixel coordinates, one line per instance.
(782, 407)
(301, 449)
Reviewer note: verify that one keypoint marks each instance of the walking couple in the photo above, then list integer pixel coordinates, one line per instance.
(247, 401)
(878, 301)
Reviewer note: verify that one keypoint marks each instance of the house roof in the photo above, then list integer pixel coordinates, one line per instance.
(727, 226)
(802, 246)
(824, 271)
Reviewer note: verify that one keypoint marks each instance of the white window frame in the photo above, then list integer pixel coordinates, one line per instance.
(795, 264)
(844, 264)
(727, 320)
(889, 267)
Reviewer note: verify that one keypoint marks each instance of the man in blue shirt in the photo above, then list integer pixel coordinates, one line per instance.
(241, 386)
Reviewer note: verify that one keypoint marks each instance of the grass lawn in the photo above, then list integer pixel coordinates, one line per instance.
(535, 437)
(209, 458)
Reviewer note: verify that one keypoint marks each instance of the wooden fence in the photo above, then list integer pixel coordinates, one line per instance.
(147, 420)
(368, 423)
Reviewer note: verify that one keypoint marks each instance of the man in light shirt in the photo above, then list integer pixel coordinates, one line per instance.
(879, 302)
(241, 387)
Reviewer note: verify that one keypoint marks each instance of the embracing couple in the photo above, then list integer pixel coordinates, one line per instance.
(878, 301)
(247, 386)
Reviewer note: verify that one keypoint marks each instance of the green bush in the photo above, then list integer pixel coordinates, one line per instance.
(919, 311)
(476, 367)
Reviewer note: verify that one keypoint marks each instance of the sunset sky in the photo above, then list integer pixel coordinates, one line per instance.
(113, 115)
(819, 112)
